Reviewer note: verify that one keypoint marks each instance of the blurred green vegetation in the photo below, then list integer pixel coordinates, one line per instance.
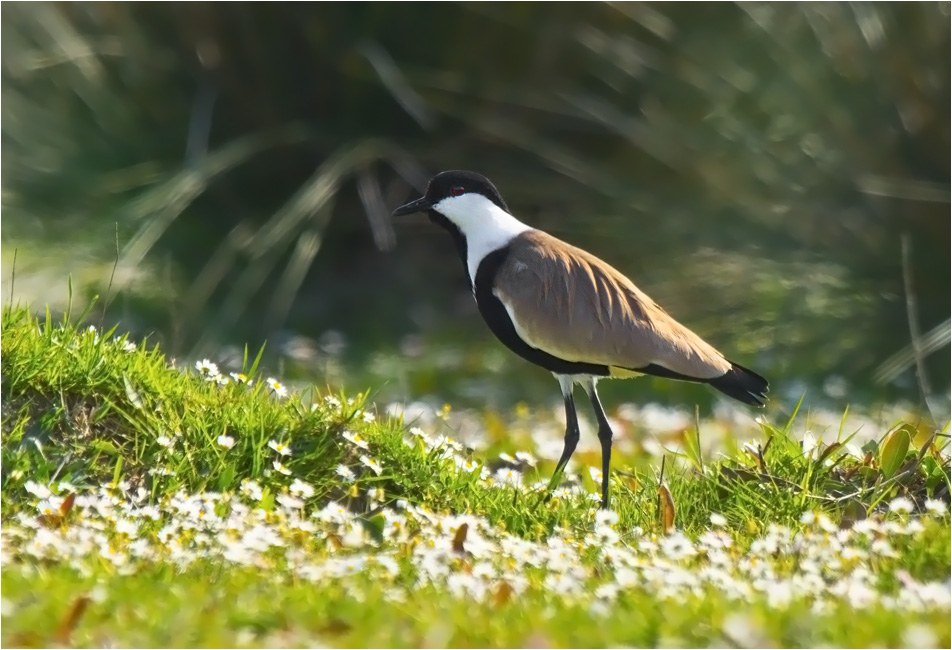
(755, 167)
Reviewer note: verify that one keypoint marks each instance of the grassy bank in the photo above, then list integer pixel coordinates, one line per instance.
(150, 503)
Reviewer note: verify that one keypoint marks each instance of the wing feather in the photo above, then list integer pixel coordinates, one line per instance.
(571, 304)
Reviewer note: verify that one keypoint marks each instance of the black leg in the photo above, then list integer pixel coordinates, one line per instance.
(571, 431)
(604, 437)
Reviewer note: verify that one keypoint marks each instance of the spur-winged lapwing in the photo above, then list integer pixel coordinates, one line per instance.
(568, 311)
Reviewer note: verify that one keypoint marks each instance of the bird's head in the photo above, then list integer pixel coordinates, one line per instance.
(463, 198)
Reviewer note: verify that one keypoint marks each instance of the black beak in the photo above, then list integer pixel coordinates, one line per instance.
(422, 204)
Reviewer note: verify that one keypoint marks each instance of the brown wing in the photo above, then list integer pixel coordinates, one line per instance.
(571, 304)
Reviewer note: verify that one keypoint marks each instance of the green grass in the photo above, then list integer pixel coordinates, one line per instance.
(190, 527)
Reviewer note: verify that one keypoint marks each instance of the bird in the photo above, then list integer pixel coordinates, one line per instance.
(566, 310)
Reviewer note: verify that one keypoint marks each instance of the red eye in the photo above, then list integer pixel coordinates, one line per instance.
(457, 191)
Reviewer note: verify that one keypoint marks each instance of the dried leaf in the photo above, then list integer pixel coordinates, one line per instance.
(502, 594)
(335, 626)
(826, 453)
(52, 520)
(58, 518)
(667, 507)
(64, 631)
(67, 504)
(459, 538)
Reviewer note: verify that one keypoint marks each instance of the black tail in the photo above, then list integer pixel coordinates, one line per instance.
(743, 385)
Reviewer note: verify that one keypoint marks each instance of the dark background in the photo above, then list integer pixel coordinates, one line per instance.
(775, 175)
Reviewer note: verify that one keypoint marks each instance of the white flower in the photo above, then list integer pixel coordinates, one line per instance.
(92, 330)
(606, 518)
(127, 345)
(372, 464)
(240, 378)
(301, 488)
(289, 502)
(276, 387)
(344, 472)
(368, 416)
(811, 445)
(596, 474)
(38, 489)
(278, 467)
(252, 489)
(465, 465)
(808, 517)
(207, 369)
(226, 441)
(332, 401)
(936, 506)
(165, 441)
(280, 447)
(902, 504)
(356, 439)
(718, 519)
(594, 496)
(526, 458)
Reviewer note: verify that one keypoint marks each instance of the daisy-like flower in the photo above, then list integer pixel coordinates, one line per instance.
(527, 458)
(372, 464)
(92, 330)
(165, 441)
(718, 519)
(811, 445)
(368, 416)
(752, 447)
(207, 369)
(251, 489)
(465, 465)
(332, 401)
(901, 504)
(355, 439)
(606, 518)
(344, 472)
(280, 447)
(127, 345)
(936, 506)
(594, 496)
(596, 474)
(65, 487)
(240, 378)
(276, 387)
(226, 441)
(38, 489)
(301, 488)
(279, 467)
(289, 502)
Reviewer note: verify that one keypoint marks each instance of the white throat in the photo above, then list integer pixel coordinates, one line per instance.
(485, 225)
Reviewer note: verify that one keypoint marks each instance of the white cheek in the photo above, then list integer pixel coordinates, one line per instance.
(486, 226)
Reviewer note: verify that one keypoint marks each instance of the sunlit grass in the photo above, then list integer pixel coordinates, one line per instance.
(152, 503)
